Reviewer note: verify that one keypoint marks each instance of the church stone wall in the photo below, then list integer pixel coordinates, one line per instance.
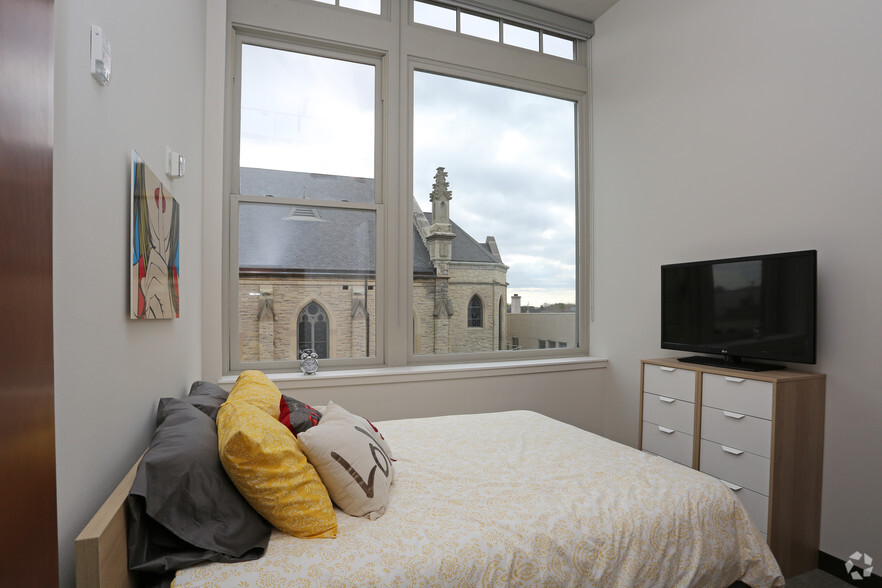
(347, 333)
(275, 338)
(488, 282)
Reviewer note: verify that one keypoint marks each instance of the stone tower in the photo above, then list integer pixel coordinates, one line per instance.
(440, 234)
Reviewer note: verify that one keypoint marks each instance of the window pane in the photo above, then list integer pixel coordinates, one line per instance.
(558, 46)
(434, 16)
(306, 279)
(476, 312)
(479, 26)
(520, 37)
(372, 6)
(502, 211)
(304, 113)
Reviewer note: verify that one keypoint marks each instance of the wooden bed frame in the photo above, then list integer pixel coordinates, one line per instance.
(101, 548)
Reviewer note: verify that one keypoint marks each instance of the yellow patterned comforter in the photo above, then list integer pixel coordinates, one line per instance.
(519, 499)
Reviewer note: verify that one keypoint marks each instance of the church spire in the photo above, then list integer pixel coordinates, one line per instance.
(440, 234)
(440, 198)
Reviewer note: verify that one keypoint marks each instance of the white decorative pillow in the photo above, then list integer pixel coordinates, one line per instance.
(352, 459)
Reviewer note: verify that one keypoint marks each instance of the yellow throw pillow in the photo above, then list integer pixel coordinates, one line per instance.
(261, 457)
(255, 388)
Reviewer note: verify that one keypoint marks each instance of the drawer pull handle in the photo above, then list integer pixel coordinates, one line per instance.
(667, 369)
(733, 415)
(732, 451)
(733, 380)
(732, 487)
(665, 430)
(666, 399)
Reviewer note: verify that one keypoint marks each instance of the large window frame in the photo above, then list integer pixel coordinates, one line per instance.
(399, 47)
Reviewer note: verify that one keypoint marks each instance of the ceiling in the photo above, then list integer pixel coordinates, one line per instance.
(589, 10)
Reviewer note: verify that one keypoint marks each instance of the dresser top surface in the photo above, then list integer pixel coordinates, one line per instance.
(768, 376)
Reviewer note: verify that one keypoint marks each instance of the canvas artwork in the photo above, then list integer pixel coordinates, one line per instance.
(156, 256)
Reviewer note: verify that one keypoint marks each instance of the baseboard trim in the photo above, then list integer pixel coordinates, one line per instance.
(836, 567)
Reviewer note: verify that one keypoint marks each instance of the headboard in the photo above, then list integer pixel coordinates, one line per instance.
(101, 548)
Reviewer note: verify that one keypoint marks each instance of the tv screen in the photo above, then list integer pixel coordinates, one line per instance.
(760, 307)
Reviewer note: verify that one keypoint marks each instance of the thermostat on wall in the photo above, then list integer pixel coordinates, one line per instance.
(100, 56)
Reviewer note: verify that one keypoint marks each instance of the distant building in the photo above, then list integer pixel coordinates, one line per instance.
(307, 275)
(537, 328)
(542, 330)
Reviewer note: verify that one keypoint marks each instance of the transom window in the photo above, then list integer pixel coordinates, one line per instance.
(492, 28)
(372, 6)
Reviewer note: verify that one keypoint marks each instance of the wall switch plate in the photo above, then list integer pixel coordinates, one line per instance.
(100, 56)
(174, 163)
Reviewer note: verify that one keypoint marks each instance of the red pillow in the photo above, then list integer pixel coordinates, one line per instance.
(296, 415)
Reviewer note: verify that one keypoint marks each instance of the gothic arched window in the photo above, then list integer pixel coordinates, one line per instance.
(312, 329)
(500, 321)
(476, 312)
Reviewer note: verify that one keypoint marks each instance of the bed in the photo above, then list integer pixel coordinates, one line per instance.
(502, 499)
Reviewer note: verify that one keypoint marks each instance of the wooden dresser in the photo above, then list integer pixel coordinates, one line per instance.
(762, 433)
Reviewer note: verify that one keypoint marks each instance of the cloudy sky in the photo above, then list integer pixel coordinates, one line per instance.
(509, 155)
(510, 160)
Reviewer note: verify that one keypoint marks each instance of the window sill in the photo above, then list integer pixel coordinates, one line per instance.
(420, 373)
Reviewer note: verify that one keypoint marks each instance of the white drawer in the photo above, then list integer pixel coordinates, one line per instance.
(736, 430)
(670, 382)
(670, 412)
(755, 503)
(739, 395)
(735, 465)
(668, 442)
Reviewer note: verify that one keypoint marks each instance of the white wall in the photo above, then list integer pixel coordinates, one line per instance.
(110, 370)
(733, 128)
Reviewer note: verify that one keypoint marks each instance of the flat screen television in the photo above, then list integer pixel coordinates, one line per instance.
(759, 307)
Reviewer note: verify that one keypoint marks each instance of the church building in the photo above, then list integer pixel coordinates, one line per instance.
(307, 274)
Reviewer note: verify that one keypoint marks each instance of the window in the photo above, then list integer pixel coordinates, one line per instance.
(488, 27)
(372, 176)
(476, 312)
(502, 212)
(500, 322)
(372, 6)
(312, 330)
(304, 206)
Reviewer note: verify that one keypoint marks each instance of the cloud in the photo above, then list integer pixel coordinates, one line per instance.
(291, 113)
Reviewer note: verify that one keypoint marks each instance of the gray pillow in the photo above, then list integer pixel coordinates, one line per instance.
(182, 508)
(207, 397)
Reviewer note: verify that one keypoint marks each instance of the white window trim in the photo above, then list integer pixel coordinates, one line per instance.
(402, 49)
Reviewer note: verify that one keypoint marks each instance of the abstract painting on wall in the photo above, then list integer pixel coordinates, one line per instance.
(155, 255)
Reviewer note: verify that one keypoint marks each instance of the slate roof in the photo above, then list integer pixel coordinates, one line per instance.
(284, 184)
(336, 241)
(270, 241)
(465, 248)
